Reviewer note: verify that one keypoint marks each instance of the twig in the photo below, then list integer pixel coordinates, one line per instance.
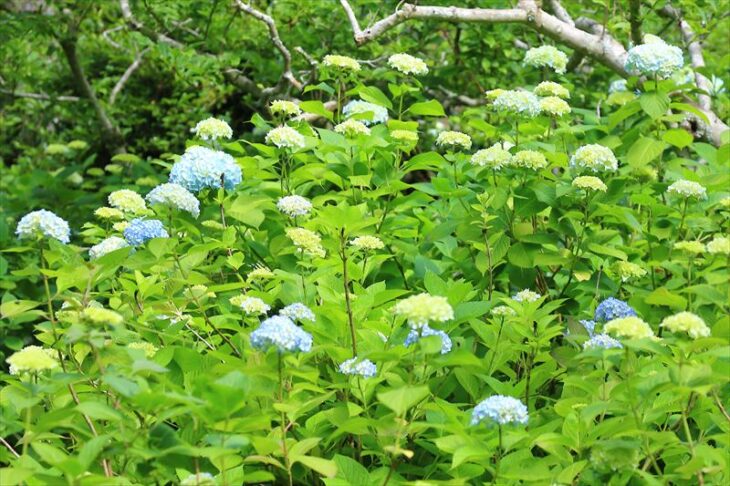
(125, 77)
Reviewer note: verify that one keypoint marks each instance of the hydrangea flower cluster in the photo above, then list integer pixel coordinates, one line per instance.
(357, 367)
(517, 102)
(547, 56)
(284, 108)
(602, 341)
(687, 322)
(260, 273)
(631, 327)
(294, 206)
(589, 183)
(685, 188)
(213, 129)
(141, 230)
(308, 242)
(503, 311)
(416, 334)
(654, 59)
(201, 167)
(43, 223)
(374, 113)
(589, 325)
(554, 106)
(494, 157)
(404, 136)
(492, 94)
(408, 64)
(108, 213)
(31, 359)
(690, 247)
(612, 308)
(526, 295)
(595, 158)
(352, 128)
(200, 479)
(617, 86)
(285, 137)
(550, 88)
(298, 312)
(127, 201)
(281, 333)
(174, 196)
(453, 139)
(529, 159)
(423, 308)
(251, 306)
(627, 270)
(100, 315)
(343, 63)
(720, 245)
(368, 242)
(500, 409)
(148, 349)
(107, 245)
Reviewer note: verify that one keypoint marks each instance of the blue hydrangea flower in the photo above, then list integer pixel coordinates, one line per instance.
(37, 224)
(611, 309)
(589, 326)
(297, 312)
(140, 230)
(377, 113)
(617, 86)
(500, 409)
(175, 196)
(354, 366)
(416, 334)
(281, 333)
(655, 58)
(201, 167)
(602, 341)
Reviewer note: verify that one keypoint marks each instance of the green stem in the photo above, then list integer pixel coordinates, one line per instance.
(346, 285)
(284, 449)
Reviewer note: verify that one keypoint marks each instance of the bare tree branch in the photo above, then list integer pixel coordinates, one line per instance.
(144, 30)
(38, 96)
(275, 39)
(561, 13)
(125, 77)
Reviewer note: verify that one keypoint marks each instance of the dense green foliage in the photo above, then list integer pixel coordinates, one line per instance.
(148, 373)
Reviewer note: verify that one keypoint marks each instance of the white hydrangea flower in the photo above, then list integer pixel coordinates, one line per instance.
(38, 224)
(494, 157)
(589, 183)
(376, 113)
(529, 159)
(526, 295)
(341, 62)
(454, 139)
(285, 137)
(515, 102)
(285, 108)
(547, 56)
(306, 241)
(252, 306)
(720, 245)
(174, 196)
(213, 129)
(595, 158)
(107, 245)
(656, 58)
(368, 242)
(685, 188)
(550, 88)
(554, 106)
(294, 206)
(127, 201)
(408, 64)
(423, 308)
(352, 128)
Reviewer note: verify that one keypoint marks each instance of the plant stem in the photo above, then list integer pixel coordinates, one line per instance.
(284, 448)
(346, 285)
(498, 458)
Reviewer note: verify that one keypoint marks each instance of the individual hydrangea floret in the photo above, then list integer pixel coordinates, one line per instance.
(408, 64)
(687, 322)
(368, 242)
(201, 167)
(526, 295)
(374, 113)
(685, 188)
(405, 136)
(595, 158)
(285, 137)
(358, 367)
(284, 108)
(141, 230)
(352, 128)
(631, 327)
(452, 139)
(628, 271)
(503, 311)
(308, 242)
(550, 88)
(294, 206)
(423, 308)
(213, 129)
(43, 223)
(108, 213)
(148, 349)
(547, 56)
(500, 409)
(617, 86)
(251, 306)
(602, 341)
(99, 315)
(554, 106)
(343, 63)
(281, 333)
(494, 157)
(529, 159)
(31, 359)
(720, 245)
(298, 312)
(416, 334)
(690, 247)
(174, 196)
(612, 308)
(589, 183)
(199, 479)
(107, 245)
(654, 59)
(519, 102)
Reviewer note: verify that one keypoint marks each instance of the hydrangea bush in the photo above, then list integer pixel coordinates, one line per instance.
(372, 291)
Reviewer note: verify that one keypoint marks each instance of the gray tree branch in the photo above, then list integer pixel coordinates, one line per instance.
(125, 77)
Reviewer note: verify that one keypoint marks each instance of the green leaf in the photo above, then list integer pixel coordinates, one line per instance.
(654, 103)
(402, 399)
(427, 108)
(678, 137)
(424, 161)
(52, 455)
(98, 410)
(13, 308)
(522, 255)
(644, 150)
(662, 296)
(316, 108)
(325, 467)
(372, 94)
(352, 471)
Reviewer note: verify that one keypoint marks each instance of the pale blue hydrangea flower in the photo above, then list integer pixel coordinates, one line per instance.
(416, 334)
(376, 113)
(655, 58)
(107, 245)
(547, 56)
(201, 167)
(611, 309)
(297, 312)
(200, 479)
(281, 333)
(354, 366)
(38, 224)
(602, 341)
(175, 196)
(518, 103)
(589, 325)
(617, 86)
(140, 230)
(500, 409)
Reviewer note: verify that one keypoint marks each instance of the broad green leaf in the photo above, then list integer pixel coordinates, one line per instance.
(402, 399)
(427, 108)
(644, 151)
